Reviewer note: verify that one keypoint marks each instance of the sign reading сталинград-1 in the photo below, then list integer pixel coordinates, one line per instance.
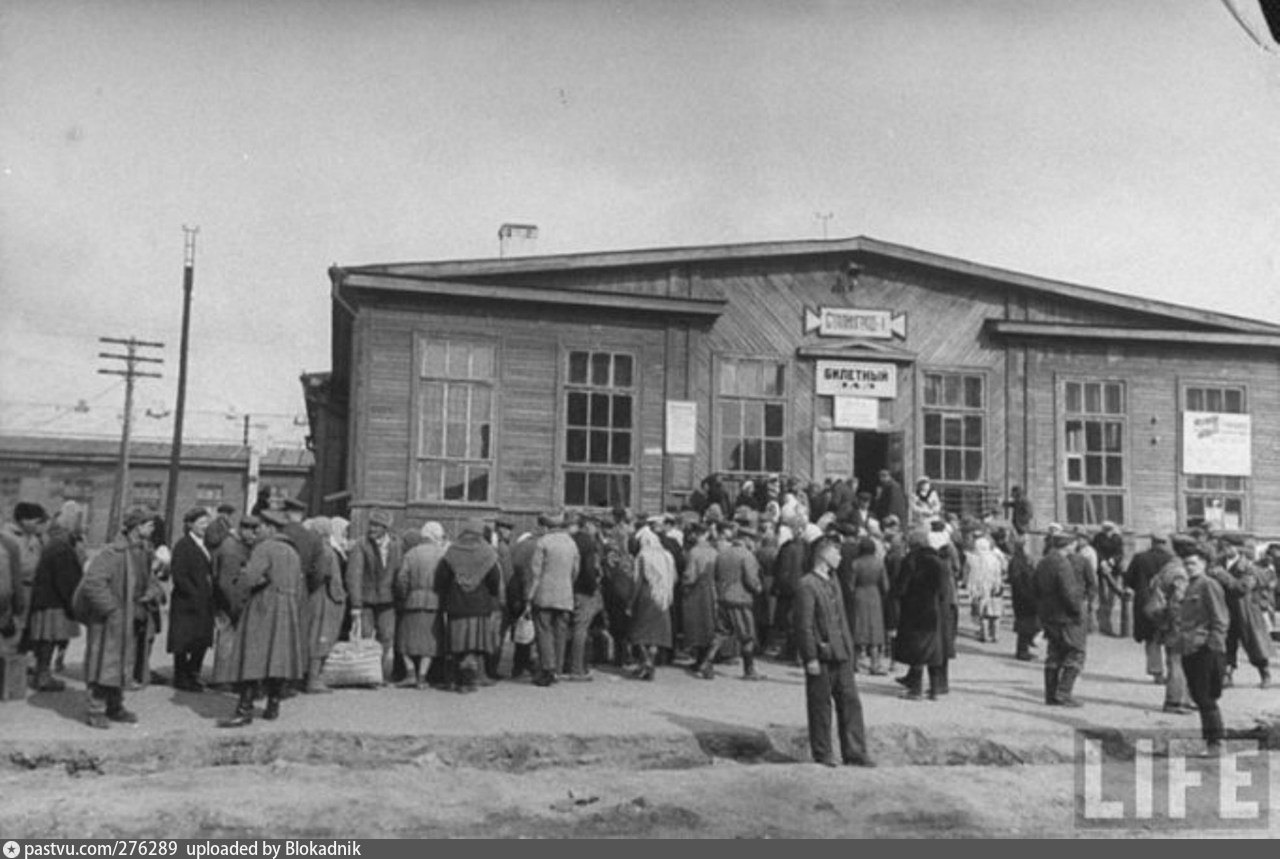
(856, 378)
(853, 322)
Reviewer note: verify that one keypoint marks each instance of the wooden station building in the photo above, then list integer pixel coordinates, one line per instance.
(519, 385)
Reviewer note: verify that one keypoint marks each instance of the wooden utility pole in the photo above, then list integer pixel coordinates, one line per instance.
(130, 372)
(175, 453)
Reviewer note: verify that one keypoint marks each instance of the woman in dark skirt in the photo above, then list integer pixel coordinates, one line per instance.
(469, 581)
(418, 622)
(651, 608)
(49, 624)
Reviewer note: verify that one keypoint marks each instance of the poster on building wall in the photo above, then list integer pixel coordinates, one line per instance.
(682, 427)
(856, 413)
(1216, 443)
(856, 379)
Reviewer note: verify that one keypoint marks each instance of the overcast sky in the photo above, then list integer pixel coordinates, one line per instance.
(1129, 146)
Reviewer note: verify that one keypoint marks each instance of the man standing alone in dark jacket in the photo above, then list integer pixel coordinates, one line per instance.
(1143, 568)
(826, 648)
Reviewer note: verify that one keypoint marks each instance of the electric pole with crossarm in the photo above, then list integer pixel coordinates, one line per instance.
(131, 361)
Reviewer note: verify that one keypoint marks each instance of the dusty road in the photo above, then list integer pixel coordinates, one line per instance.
(674, 758)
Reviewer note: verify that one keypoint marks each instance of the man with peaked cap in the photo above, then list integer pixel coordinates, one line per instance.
(310, 548)
(270, 650)
(554, 567)
(737, 579)
(370, 572)
(1061, 606)
(108, 598)
(230, 596)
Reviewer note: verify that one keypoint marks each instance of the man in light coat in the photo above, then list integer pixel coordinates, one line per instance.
(553, 570)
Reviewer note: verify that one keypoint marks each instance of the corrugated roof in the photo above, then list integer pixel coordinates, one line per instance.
(144, 451)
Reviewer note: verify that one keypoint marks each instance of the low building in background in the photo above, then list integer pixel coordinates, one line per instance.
(49, 471)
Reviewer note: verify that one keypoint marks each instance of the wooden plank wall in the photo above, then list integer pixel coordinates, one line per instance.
(1152, 375)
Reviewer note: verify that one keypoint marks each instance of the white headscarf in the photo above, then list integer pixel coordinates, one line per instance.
(659, 568)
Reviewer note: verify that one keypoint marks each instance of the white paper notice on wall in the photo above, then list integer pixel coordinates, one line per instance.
(856, 413)
(1216, 443)
(682, 427)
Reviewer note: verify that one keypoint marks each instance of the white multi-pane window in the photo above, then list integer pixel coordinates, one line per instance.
(1215, 499)
(752, 416)
(455, 450)
(599, 428)
(1094, 451)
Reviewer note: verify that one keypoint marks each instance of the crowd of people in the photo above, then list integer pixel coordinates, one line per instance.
(827, 578)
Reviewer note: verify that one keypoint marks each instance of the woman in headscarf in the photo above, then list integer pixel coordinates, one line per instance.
(985, 566)
(326, 605)
(49, 624)
(418, 627)
(469, 581)
(651, 607)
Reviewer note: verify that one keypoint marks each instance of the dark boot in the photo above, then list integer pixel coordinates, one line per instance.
(704, 669)
(244, 710)
(272, 710)
(749, 671)
(1065, 684)
(1051, 685)
(44, 681)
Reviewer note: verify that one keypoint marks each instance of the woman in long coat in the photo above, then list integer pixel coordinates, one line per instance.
(651, 607)
(418, 620)
(50, 623)
(107, 602)
(923, 595)
(865, 584)
(698, 608)
(191, 603)
(326, 605)
(469, 581)
(270, 648)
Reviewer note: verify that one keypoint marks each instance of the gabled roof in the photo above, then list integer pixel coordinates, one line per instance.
(386, 275)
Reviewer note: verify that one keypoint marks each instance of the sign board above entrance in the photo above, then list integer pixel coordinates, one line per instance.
(852, 322)
(856, 379)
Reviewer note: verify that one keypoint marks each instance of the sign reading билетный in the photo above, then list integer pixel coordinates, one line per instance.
(856, 378)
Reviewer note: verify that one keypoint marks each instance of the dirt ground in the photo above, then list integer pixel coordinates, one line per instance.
(675, 758)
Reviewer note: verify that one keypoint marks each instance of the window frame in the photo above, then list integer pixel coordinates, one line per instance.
(783, 399)
(1186, 492)
(984, 412)
(133, 494)
(609, 469)
(1126, 454)
(419, 381)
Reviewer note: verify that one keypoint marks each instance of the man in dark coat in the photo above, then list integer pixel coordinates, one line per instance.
(923, 594)
(106, 601)
(826, 649)
(310, 548)
(230, 595)
(1143, 568)
(1026, 621)
(191, 606)
(788, 568)
(50, 619)
(587, 601)
(270, 650)
(891, 499)
(1060, 600)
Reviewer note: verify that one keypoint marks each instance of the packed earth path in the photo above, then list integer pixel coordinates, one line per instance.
(676, 757)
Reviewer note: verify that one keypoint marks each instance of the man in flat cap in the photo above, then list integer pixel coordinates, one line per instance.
(553, 569)
(106, 602)
(370, 573)
(191, 607)
(310, 548)
(224, 522)
(1061, 607)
